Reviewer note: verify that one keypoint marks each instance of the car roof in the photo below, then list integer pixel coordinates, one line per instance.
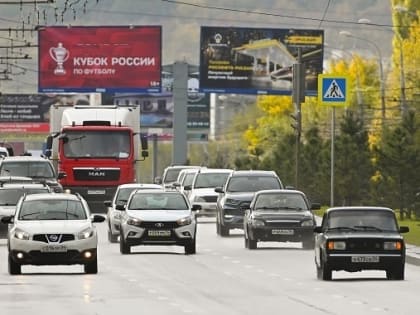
(23, 186)
(182, 166)
(52, 196)
(215, 170)
(24, 158)
(157, 191)
(254, 173)
(358, 208)
(139, 185)
(281, 191)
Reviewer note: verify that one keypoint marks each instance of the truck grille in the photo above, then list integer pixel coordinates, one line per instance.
(99, 174)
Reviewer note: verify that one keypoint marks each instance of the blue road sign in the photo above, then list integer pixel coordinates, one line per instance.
(333, 90)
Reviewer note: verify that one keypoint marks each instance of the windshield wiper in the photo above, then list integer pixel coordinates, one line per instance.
(341, 228)
(368, 227)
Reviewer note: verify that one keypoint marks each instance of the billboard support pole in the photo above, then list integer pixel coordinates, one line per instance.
(298, 96)
(180, 149)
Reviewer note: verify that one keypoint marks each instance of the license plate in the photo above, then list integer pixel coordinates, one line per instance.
(54, 249)
(365, 259)
(159, 233)
(283, 232)
(96, 192)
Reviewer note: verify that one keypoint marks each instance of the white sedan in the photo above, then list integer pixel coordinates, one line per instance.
(154, 217)
(52, 229)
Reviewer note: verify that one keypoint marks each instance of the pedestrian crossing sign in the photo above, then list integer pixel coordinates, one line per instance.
(333, 90)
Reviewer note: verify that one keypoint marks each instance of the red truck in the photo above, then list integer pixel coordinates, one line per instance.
(95, 149)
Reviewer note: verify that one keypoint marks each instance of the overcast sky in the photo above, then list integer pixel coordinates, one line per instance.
(181, 24)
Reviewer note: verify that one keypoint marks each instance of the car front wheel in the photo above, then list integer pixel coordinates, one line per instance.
(190, 248)
(14, 267)
(92, 266)
(124, 248)
(111, 237)
(395, 273)
(325, 271)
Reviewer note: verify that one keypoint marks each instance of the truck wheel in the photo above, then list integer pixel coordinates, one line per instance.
(14, 267)
(92, 267)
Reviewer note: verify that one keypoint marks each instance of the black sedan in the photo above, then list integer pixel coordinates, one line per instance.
(360, 238)
(279, 215)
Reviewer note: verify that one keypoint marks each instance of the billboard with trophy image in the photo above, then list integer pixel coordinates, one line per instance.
(88, 59)
(258, 60)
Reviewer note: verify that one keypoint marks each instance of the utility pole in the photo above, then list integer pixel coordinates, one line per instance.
(298, 96)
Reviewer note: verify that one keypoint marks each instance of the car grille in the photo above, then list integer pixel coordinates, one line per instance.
(364, 245)
(210, 198)
(279, 223)
(46, 238)
(158, 225)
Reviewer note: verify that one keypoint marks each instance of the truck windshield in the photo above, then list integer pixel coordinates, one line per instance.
(97, 144)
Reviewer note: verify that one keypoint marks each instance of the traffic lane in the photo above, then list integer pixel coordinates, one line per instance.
(223, 277)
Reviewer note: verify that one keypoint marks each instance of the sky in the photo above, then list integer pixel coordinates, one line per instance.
(181, 22)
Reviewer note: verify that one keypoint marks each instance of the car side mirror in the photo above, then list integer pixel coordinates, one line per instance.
(158, 180)
(318, 229)
(7, 220)
(96, 218)
(196, 207)
(108, 203)
(187, 187)
(120, 207)
(61, 175)
(219, 190)
(404, 229)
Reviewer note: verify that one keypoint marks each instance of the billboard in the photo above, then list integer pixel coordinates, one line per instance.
(99, 59)
(29, 113)
(258, 60)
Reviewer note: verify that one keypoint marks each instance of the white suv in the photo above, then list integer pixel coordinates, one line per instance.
(52, 229)
(201, 191)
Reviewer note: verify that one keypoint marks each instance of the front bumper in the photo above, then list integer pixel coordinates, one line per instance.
(183, 235)
(344, 261)
(29, 252)
(114, 223)
(233, 221)
(281, 234)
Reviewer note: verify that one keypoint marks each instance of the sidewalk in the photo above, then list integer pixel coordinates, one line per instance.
(412, 254)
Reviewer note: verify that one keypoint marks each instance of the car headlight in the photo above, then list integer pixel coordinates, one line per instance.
(307, 223)
(336, 245)
(86, 233)
(184, 221)
(21, 234)
(256, 222)
(397, 245)
(134, 221)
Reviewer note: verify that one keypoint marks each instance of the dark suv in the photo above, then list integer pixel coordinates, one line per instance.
(39, 169)
(236, 195)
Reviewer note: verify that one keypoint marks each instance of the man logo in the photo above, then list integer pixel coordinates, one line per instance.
(97, 174)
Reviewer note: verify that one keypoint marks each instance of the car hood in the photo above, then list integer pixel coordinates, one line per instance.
(362, 234)
(282, 215)
(7, 210)
(54, 226)
(159, 215)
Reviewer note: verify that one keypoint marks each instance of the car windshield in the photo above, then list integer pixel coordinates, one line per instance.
(252, 183)
(10, 197)
(280, 202)
(57, 209)
(171, 175)
(124, 193)
(157, 201)
(28, 168)
(362, 220)
(210, 180)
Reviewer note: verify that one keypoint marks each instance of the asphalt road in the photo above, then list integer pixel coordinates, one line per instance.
(222, 278)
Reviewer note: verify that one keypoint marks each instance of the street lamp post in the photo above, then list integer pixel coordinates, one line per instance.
(381, 70)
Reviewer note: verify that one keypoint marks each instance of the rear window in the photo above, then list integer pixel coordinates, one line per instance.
(252, 183)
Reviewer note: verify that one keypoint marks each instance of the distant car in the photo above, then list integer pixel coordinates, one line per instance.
(120, 198)
(185, 178)
(201, 190)
(52, 229)
(170, 175)
(40, 169)
(280, 215)
(237, 194)
(3, 152)
(11, 192)
(153, 217)
(360, 238)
